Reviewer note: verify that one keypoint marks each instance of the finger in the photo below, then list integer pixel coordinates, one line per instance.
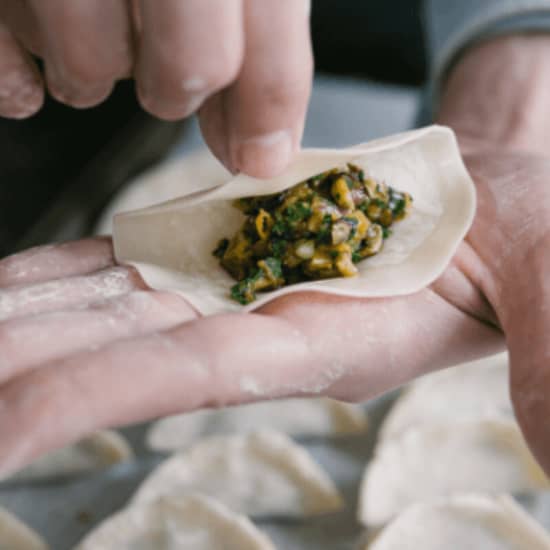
(21, 88)
(23, 24)
(87, 46)
(67, 293)
(267, 105)
(188, 50)
(44, 263)
(213, 124)
(297, 347)
(460, 284)
(512, 236)
(383, 343)
(62, 333)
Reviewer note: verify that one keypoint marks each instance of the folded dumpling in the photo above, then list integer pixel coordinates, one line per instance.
(262, 474)
(438, 460)
(471, 391)
(15, 535)
(194, 522)
(320, 417)
(97, 451)
(469, 521)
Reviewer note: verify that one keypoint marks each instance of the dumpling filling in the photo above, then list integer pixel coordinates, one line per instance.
(320, 228)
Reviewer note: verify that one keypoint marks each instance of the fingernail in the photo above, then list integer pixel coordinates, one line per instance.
(264, 155)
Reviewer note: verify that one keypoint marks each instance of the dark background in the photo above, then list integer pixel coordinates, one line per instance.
(59, 168)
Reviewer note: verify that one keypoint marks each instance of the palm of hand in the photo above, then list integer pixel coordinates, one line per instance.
(99, 349)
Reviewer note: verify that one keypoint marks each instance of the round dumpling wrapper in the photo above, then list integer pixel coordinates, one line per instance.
(171, 244)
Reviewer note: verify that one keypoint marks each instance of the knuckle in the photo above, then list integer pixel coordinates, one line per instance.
(224, 71)
(200, 74)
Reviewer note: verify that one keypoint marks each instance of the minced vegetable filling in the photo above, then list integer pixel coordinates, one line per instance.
(319, 228)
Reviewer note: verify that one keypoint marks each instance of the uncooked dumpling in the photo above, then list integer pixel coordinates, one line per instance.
(295, 417)
(171, 244)
(260, 474)
(437, 460)
(15, 535)
(194, 522)
(97, 451)
(472, 391)
(463, 522)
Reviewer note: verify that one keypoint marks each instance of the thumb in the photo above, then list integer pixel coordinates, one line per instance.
(526, 320)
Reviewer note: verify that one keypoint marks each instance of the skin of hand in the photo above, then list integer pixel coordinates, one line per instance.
(504, 107)
(244, 65)
(85, 345)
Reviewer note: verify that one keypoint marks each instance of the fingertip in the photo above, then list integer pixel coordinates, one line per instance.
(166, 108)
(22, 104)
(264, 155)
(214, 129)
(76, 95)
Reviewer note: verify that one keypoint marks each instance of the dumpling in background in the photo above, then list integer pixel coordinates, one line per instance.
(472, 391)
(294, 417)
(465, 522)
(262, 474)
(193, 522)
(15, 535)
(97, 451)
(437, 460)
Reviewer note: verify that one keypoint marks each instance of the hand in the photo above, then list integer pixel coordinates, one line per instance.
(504, 107)
(246, 64)
(85, 345)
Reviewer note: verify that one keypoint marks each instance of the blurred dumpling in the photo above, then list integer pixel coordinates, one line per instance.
(194, 522)
(15, 535)
(472, 521)
(472, 391)
(259, 474)
(296, 417)
(97, 451)
(438, 460)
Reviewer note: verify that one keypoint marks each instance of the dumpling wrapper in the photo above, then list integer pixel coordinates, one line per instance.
(320, 417)
(15, 535)
(194, 522)
(97, 451)
(263, 474)
(171, 244)
(438, 460)
(472, 391)
(469, 522)
(196, 171)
